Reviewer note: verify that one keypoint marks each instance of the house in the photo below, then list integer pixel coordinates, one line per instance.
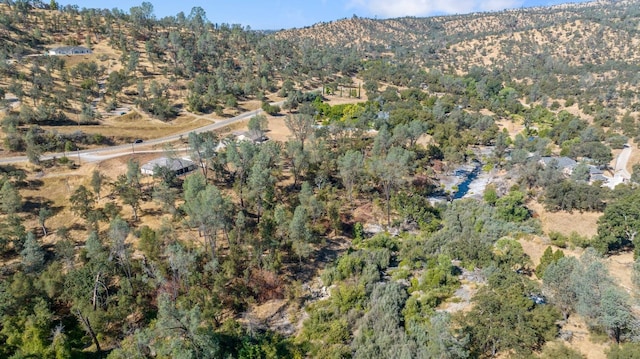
(179, 165)
(567, 166)
(596, 174)
(69, 50)
(253, 136)
(564, 164)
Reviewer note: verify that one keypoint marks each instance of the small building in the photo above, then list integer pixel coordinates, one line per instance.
(179, 165)
(257, 137)
(564, 164)
(69, 50)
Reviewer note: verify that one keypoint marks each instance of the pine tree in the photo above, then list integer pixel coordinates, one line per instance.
(32, 254)
(10, 200)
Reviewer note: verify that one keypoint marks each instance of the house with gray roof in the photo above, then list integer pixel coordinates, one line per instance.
(179, 165)
(69, 50)
(564, 164)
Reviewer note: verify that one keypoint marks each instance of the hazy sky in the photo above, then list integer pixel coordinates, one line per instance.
(282, 14)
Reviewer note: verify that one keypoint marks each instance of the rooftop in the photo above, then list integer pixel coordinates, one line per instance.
(561, 162)
(171, 163)
(69, 48)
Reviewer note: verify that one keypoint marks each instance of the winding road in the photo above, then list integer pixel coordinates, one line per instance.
(103, 153)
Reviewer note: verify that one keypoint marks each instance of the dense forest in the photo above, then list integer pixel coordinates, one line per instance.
(348, 239)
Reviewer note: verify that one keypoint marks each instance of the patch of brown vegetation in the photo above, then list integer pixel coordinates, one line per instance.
(635, 155)
(585, 224)
(512, 126)
(581, 339)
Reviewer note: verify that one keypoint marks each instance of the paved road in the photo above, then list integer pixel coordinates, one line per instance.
(100, 154)
(620, 173)
(621, 162)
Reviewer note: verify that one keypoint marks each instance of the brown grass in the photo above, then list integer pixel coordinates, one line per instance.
(620, 267)
(131, 126)
(582, 341)
(585, 224)
(512, 127)
(635, 155)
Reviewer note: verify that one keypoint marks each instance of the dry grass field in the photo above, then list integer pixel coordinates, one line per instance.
(620, 267)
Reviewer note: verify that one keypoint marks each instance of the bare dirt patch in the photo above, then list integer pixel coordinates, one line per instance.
(512, 126)
(278, 131)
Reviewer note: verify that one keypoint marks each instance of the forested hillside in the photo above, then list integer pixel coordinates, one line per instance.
(560, 52)
(447, 187)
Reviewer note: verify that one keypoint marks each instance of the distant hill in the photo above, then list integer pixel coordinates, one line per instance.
(581, 53)
(585, 45)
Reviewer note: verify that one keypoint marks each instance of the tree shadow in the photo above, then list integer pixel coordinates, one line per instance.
(12, 171)
(308, 269)
(32, 205)
(155, 212)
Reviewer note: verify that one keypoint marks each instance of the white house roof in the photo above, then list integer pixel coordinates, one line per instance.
(171, 163)
(69, 49)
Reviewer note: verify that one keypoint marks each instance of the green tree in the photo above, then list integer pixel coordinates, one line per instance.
(548, 257)
(241, 156)
(208, 210)
(298, 159)
(257, 126)
(511, 207)
(34, 148)
(620, 222)
(301, 127)
(617, 317)
(261, 184)
(560, 350)
(390, 171)
(351, 170)
(32, 254)
(624, 351)
(441, 341)
(128, 187)
(97, 179)
(490, 195)
(166, 196)
(203, 149)
(116, 81)
(29, 331)
(591, 283)
(558, 286)
(580, 172)
(118, 232)
(10, 199)
(503, 317)
(300, 234)
(380, 333)
(82, 202)
(179, 332)
(86, 291)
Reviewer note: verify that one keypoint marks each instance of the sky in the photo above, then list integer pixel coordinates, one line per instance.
(284, 14)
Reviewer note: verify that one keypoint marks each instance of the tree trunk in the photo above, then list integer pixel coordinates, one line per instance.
(94, 297)
(87, 325)
(387, 195)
